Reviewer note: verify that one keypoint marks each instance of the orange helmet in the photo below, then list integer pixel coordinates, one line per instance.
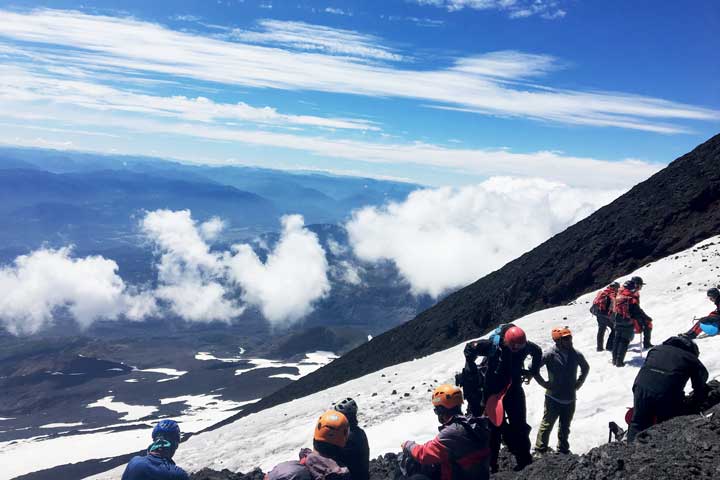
(560, 332)
(332, 427)
(447, 396)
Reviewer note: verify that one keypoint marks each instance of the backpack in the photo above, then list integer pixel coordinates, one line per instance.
(602, 303)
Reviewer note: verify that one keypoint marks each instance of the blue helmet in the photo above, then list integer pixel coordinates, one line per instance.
(167, 430)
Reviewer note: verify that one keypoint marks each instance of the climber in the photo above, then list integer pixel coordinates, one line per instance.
(322, 463)
(461, 448)
(709, 324)
(658, 391)
(562, 362)
(500, 396)
(629, 317)
(157, 464)
(356, 453)
(602, 308)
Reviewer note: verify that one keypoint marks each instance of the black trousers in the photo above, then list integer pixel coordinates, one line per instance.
(514, 431)
(623, 335)
(650, 408)
(604, 322)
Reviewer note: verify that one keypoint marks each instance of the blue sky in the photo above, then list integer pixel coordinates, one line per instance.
(592, 94)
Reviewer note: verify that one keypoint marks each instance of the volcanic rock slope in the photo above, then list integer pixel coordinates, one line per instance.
(671, 211)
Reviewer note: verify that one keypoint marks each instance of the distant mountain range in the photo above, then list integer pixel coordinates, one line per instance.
(94, 201)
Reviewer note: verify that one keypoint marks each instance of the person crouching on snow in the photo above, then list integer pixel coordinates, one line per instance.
(461, 448)
(158, 463)
(562, 362)
(710, 323)
(322, 463)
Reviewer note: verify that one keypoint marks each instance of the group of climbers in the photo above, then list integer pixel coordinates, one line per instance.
(467, 445)
(618, 308)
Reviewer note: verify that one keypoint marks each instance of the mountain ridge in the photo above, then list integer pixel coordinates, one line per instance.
(669, 212)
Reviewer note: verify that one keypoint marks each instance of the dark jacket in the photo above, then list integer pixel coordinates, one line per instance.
(461, 449)
(152, 467)
(356, 454)
(503, 365)
(667, 370)
(562, 366)
(311, 466)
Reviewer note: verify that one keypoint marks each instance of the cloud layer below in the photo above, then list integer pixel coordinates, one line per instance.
(446, 238)
(193, 281)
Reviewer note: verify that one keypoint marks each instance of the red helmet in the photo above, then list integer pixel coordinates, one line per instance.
(515, 338)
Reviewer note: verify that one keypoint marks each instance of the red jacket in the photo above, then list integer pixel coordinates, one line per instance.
(605, 301)
(462, 455)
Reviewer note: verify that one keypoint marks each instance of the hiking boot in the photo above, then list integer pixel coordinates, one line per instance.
(619, 364)
(564, 451)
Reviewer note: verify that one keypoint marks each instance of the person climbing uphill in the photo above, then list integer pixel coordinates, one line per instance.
(356, 453)
(658, 391)
(629, 317)
(711, 323)
(602, 308)
(157, 464)
(562, 362)
(322, 463)
(462, 446)
(500, 395)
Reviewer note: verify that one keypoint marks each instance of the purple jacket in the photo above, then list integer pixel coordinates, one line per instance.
(311, 466)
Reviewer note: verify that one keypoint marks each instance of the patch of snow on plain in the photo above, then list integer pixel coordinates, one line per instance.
(170, 372)
(131, 380)
(62, 425)
(309, 364)
(207, 356)
(675, 292)
(166, 379)
(132, 412)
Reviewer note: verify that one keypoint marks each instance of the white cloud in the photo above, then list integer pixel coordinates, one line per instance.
(547, 9)
(101, 44)
(212, 228)
(20, 84)
(310, 37)
(291, 279)
(189, 274)
(446, 238)
(45, 281)
(338, 11)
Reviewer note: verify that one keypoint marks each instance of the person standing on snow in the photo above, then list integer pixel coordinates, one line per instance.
(461, 448)
(502, 397)
(658, 391)
(322, 463)
(158, 463)
(562, 362)
(711, 322)
(602, 308)
(356, 453)
(628, 316)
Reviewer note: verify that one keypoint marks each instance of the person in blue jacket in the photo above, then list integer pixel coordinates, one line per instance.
(157, 464)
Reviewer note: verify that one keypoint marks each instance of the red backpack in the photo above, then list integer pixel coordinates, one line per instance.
(602, 305)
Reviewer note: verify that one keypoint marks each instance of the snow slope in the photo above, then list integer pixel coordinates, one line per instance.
(675, 292)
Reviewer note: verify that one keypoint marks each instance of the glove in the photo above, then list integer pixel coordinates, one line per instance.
(578, 385)
(526, 376)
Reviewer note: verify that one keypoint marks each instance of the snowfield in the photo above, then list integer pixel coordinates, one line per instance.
(674, 294)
